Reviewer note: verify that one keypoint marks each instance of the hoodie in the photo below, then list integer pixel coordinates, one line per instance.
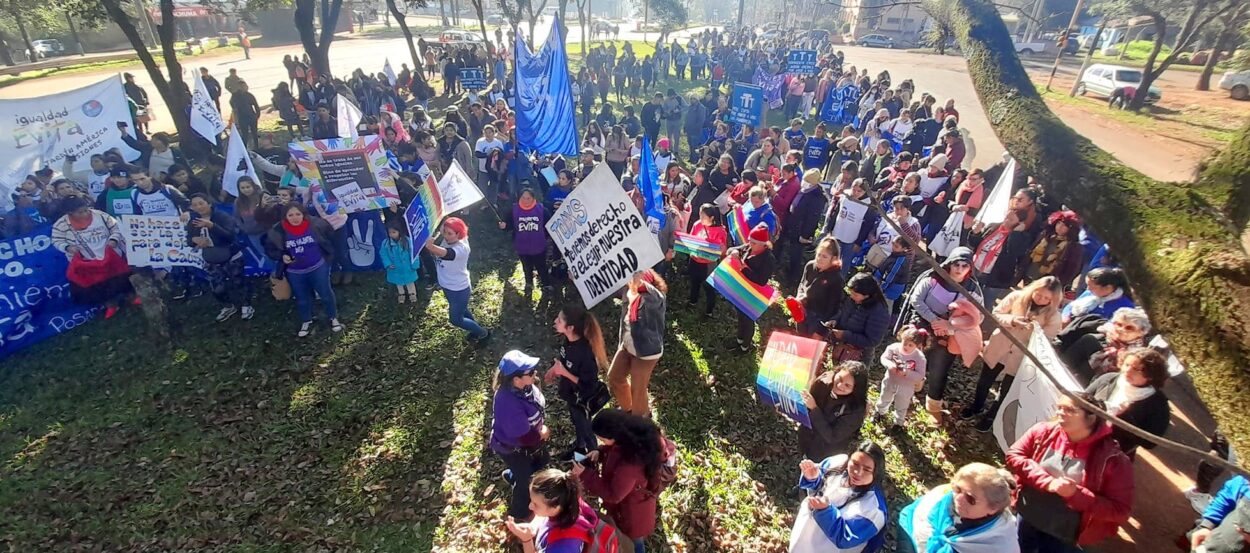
(518, 418)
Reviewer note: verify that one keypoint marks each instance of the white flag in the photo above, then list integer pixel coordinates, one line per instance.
(238, 163)
(349, 117)
(995, 208)
(390, 72)
(948, 238)
(205, 119)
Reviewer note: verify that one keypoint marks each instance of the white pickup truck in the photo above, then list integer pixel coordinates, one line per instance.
(1029, 48)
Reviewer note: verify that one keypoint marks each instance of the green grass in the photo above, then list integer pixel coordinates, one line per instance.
(240, 437)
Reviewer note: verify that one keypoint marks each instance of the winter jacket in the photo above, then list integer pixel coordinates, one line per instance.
(805, 214)
(401, 268)
(648, 331)
(275, 241)
(853, 523)
(782, 198)
(1104, 497)
(863, 326)
(999, 348)
(1233, 491)
(931, 518)
(1152, 414)
(821, 291)
(627, 495)
(224, 232)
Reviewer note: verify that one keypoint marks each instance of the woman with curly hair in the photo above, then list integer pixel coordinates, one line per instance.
(625, 471)
(1058, 252)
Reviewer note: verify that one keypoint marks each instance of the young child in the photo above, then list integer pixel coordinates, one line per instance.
(904, 363)
(401, 268)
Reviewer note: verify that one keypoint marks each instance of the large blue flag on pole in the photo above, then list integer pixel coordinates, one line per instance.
(546, 117)
(648, 184)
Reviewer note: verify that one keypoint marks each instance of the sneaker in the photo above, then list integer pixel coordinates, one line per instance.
(968, 413)
(1198, 500)
(226, 312)
(305, 329)
(403, 298)
(507, 477)
(248, 312)
(335, 325)
(483, 338)
(179, 295)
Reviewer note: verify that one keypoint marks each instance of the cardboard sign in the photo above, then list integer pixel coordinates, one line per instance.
(158, 241)
(786, 370)
(602, 236)
(334, 163)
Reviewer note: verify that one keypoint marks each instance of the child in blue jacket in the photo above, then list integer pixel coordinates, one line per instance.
(401, 265)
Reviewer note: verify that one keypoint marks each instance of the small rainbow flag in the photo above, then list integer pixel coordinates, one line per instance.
(750, 298)
(736, 223)
(694, 246)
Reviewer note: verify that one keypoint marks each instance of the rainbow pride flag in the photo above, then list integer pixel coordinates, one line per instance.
(750, 298)
(694, 246)
(736, 224)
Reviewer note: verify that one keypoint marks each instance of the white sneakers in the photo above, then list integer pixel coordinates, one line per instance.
(226, 312)
(305, 329)
(248, 312)
(335, 325)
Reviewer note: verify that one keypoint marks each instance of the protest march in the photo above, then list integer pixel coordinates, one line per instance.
(826, 221)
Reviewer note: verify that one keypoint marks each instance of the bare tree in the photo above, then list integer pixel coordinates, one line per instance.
(1232, 32)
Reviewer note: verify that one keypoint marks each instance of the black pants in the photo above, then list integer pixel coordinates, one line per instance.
(698, 281)
(652, 136)
(247, 131)
(523, 466)
(617, 167)
(794, 265)
(535, 263)
(583, 435)
(939, 361)
(984, 382)
(746, 328)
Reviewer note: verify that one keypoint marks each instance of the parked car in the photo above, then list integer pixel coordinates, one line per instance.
(1237, 83)
(1029, 48)
(48, 47)
(874, 41)
(494, 19)
(457, 37)
(1103, 80)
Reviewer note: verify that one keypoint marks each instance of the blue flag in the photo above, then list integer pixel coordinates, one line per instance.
(546, 118)
(648, 183)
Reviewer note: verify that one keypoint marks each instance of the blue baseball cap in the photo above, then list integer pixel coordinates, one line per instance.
(516, 362)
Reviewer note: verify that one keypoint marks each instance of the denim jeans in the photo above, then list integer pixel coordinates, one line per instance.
(847, 253)
(458, 312)
(523, 466)
(303, 285)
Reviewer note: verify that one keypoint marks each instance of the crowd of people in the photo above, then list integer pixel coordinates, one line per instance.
(839, 217)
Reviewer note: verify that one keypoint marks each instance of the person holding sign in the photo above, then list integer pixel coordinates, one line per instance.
(303, 247)
(641, 342)
(845, 508)
(837, 403)
(708, 227)
(757, 266)
(452, 260)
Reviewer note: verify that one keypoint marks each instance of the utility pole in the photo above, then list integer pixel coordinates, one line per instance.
(1102, 26)
(646, 16)
(1032, 25)
(741, 6)
(1076, 14)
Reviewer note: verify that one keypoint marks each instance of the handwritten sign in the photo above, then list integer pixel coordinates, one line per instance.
(158, 241)
(786, 370)
(352, 197)
(602, 236)
(331, 163)
(801, 62)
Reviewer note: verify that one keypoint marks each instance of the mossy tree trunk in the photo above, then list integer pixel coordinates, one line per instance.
(1178, 242)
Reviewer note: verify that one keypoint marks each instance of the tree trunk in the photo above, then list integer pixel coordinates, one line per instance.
(442, 11)
(176, 93)
(581, 19)
(1176, 242)
(402, 20)
(1223, 41)
(317, 45)
(21, 29)
(1148, 74)
(6, 54)
(481, 19)
(171, 90)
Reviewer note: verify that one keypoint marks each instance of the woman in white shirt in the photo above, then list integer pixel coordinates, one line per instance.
(845, 510)
(453, 276)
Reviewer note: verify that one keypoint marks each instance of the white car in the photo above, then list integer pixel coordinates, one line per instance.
(1237, 83)
(48, 47)
(1103, 80)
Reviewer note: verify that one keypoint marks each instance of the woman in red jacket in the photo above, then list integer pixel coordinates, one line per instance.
(625, 471)
(1076, 486)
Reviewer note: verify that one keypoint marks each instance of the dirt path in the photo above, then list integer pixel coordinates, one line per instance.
(1159, 156)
